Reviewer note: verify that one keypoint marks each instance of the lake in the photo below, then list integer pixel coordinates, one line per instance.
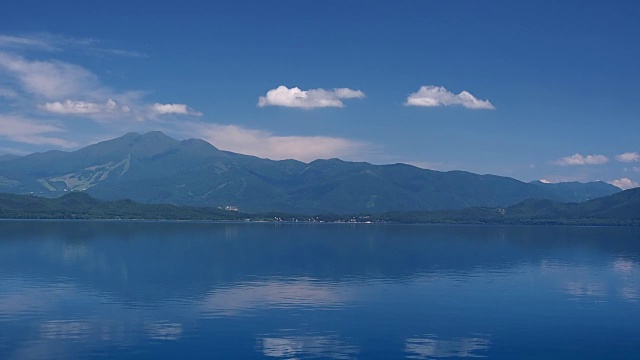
(80, 289)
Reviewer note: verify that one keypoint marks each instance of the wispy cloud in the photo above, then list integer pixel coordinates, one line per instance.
(308, 99)
(624, 183)
(55, 43)
(30, 131)
(48, 79)
(431, 96)
(35, 88)
(628, 157)
(578, 159)
(7, 93)
(265, 144)
(37, 41)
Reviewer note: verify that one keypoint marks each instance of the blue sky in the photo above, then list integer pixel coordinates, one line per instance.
(532, 90)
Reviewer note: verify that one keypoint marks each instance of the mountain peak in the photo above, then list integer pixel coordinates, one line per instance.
(157, 135)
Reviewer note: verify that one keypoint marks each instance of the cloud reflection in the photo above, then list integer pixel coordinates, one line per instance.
(314, 346)
(624, 266)
(164, 330)
(302, 292)
(585, 289)
(430, 347)
(65, 330)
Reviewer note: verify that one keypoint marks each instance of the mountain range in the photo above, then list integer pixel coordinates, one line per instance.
(622, 208)
(155, 168)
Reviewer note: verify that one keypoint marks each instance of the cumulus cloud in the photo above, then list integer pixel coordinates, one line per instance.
(628, 157)
(578, 159)
(624, 183)
(180, 109)
(264, 144)
(431, 96)
(308, 99)
(29, 131)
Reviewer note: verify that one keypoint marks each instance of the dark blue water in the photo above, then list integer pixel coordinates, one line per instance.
(276, 291)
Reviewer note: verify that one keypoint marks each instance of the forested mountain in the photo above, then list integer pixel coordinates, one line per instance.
(155, 168)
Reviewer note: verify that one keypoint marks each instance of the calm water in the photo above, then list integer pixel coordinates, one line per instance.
(277, 291)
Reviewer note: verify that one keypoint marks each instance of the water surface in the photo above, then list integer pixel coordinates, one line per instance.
(299, 291)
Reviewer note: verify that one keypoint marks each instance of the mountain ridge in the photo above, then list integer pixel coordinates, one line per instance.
(622, 208)
(155, 168)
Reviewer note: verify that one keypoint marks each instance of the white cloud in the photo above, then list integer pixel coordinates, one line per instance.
(308, 99)
(82, 107)
(179, 109)
(29, 131)
(628, 157)
(431, 95)
(48, 79)
(545, 181)
(264, 144)
(624, 183)
(578, 159)
(73, 90)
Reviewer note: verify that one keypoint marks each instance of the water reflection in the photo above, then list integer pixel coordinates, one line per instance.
(587, 282)
(301, 292)
(588, 289)
(164, 330)
(65, 330)
(432, 347)
(167, 290)
(327, 346)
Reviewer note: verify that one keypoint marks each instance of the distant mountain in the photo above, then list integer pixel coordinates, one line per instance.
(8, 157)
(154, 168)
(622, 208)
(576, 191)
